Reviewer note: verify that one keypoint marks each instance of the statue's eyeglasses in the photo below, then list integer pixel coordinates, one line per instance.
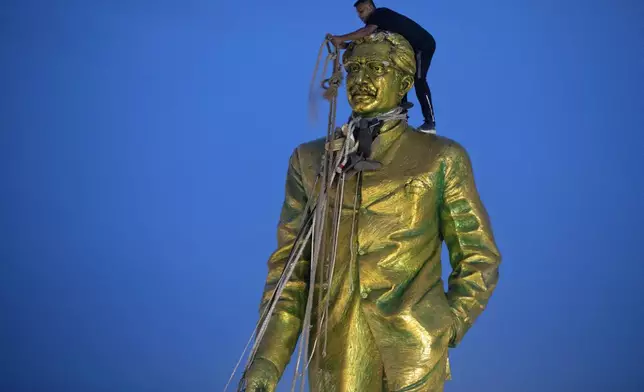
(376, 67)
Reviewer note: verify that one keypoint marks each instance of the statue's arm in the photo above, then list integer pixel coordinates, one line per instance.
(285, 325)
(466, 229)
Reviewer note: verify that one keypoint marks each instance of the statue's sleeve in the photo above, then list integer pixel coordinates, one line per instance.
(465, 227)
(285, 323)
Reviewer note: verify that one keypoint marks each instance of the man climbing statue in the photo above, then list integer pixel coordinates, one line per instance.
(357, 268)
(421, 41)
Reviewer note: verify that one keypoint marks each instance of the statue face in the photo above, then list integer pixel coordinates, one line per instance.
(374, 85)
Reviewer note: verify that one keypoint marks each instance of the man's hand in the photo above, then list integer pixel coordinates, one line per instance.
(262, 376)
(337, 41)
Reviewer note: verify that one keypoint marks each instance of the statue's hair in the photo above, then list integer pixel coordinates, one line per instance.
(401, 54)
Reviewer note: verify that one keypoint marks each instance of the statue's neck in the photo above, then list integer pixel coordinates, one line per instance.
(392, 125)
(392, 119)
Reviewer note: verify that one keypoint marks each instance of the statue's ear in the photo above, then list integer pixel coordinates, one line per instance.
(406, 84)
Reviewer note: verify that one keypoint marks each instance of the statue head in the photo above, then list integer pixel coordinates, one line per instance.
(380, 71)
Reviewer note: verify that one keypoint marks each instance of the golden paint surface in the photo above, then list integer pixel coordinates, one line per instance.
(390, 323)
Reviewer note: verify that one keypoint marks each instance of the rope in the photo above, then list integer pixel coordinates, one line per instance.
(350, 144)
(353, 230)
(336, 230)
(312, 111)
(330, 85)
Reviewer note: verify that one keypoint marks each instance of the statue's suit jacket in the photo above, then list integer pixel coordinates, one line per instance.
(392, 226)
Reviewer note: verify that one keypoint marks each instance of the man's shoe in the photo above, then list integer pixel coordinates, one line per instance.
(428, 127)
(405, 108)
(407, 105)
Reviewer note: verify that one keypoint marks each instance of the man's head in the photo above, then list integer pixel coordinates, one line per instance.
(380, 71)
(364, 8)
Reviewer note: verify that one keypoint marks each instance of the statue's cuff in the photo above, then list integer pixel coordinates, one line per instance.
(262, 374)
(455, 330)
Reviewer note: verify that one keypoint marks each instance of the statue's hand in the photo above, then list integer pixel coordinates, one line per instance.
(262, 376)
(454, 328)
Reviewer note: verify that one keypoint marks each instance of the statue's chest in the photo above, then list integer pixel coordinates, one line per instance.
(394, 190)
(401, 193)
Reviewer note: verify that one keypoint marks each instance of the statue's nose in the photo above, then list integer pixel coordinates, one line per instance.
(361, 75)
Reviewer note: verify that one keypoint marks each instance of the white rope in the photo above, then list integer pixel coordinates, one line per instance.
(353, 229)
(279, 290)
(351, 145)
(336, 231)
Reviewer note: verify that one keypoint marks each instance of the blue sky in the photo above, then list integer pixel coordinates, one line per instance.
(143, 149)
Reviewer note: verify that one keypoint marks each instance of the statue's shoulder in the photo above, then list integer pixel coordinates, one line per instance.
(450, 152)
(442, 146)
(313, 148)
(308, 156)
(451, 147)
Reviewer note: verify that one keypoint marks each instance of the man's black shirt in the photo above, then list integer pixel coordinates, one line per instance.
(389, 20)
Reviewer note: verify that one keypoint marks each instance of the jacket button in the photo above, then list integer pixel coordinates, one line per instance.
(364, 292)
(362, 252)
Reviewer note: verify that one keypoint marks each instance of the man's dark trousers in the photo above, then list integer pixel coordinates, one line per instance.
(423, 61)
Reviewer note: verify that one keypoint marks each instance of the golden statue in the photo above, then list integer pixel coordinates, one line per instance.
(361, 281)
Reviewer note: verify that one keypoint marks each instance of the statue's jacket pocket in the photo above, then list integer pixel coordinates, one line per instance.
(420, 202)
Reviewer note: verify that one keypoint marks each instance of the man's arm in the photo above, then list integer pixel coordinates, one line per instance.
(466, 229)
(338, 40)
(285, 325)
